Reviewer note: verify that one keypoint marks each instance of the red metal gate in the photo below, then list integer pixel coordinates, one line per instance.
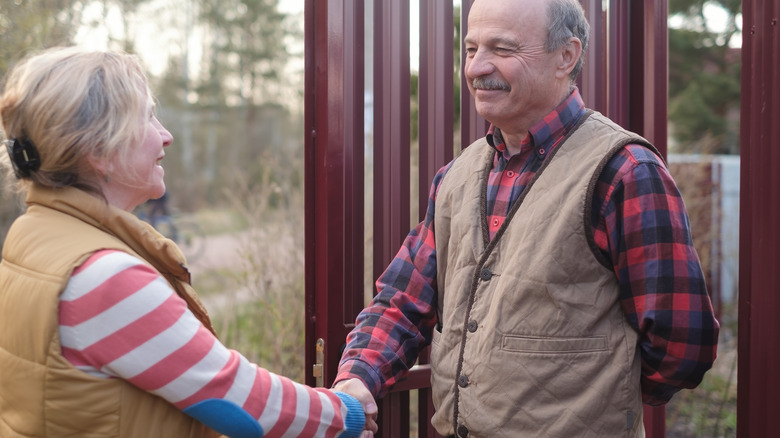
(625, 77)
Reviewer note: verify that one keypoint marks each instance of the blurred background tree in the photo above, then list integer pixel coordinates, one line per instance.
(704, 75)
(32, 24)
(221, 71)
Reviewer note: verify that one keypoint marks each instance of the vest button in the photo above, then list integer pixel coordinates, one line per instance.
(463, 431)
(463, 381)
(485, 274)
(473, 326)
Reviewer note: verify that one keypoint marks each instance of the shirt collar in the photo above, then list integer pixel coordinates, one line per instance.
(546, 133)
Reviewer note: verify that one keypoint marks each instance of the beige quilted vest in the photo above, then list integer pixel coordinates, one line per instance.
(532, 341)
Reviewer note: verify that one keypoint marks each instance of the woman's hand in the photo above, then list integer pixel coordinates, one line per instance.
(357, 389)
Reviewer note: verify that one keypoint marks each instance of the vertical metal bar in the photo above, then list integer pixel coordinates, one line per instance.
(391, 129)
(333, 224)
(759, 252)
(436, 123)
(394, 415)
(392, 117)
(594, 78)
(619, 31)
(472, 125)
(436, 92)
(425, 411)
(310, 192)
(648, 69)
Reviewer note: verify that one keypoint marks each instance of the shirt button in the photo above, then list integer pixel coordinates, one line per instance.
(463, 381)
(485, 274)
(541, 151)
(510, 174)
(463, 431)
(473, 326)
(496, 222)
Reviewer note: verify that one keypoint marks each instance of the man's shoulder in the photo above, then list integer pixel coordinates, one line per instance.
(629, 144)
(640, 153)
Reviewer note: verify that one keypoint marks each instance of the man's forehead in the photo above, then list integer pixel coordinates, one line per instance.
(493, 23)
(505, 15)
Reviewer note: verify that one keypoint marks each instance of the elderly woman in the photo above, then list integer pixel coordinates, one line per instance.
(101, 333)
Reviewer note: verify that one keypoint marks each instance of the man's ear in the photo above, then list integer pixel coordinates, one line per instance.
(570, 54)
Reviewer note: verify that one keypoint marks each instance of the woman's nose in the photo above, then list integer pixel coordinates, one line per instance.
(167, 137)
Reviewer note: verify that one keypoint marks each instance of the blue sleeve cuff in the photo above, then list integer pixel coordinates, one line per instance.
(356, 417)
(226, 418)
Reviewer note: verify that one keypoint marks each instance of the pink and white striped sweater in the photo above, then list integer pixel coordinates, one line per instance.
(120, 319)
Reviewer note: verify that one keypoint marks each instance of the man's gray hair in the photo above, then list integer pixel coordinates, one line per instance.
(567, 19)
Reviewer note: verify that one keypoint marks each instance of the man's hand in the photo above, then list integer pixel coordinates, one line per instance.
(357, 389)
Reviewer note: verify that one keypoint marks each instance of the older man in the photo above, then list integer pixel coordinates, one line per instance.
(554, 274)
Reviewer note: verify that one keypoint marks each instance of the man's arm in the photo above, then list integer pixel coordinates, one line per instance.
(392, 330)
(643, 227)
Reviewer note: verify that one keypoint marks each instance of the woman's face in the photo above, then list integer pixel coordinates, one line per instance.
(140, 178)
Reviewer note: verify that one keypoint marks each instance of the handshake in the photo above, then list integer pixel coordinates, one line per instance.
(358, 390)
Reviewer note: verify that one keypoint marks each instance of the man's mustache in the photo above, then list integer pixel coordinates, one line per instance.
(483, 83)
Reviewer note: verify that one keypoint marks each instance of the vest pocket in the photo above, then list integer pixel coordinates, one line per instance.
(538, 344)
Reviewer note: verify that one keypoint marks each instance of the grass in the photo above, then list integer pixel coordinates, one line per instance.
(255, 290)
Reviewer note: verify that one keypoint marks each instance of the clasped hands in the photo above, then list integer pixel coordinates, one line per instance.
(357, 389)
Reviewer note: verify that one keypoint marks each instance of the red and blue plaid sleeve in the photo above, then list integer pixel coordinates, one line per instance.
(641, 224)
(399, 322)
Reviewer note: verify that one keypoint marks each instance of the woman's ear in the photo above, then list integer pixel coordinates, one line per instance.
(101, 166)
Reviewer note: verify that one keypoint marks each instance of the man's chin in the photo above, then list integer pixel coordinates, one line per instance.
(486, 110)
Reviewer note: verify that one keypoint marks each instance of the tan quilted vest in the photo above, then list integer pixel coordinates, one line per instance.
(41, 394)
(532, 341)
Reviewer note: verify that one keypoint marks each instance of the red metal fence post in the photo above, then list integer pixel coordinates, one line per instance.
(759, 230)
(391, 129)
(334, 176)
(392, 116)
(436, 120)
(436, 124)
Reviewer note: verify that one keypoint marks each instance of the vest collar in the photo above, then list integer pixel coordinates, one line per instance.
(150, 245)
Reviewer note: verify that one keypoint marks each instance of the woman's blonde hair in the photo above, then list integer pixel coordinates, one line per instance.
(73, 104)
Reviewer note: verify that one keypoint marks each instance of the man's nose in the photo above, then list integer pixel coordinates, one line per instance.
(479, 64)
